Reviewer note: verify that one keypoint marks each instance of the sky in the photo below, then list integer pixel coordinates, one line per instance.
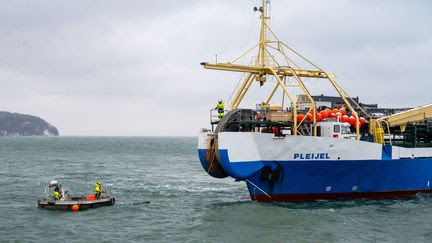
(132, 67)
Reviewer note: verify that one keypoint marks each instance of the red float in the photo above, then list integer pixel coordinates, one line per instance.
(300, 117)
(352, 120)
(324, 114)
(318, 117)
(309, 117)
(343, 111)
(345, 118)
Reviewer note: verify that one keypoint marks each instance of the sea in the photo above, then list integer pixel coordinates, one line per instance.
(185, 204)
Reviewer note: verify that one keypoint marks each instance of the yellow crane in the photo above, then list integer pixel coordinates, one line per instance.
(401, 119)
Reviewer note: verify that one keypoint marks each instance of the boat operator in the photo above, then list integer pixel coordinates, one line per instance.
(220, 106)
(57, 194)
(98, 189)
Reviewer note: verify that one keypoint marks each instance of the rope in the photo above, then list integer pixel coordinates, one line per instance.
(234, 90)
(258, 188)
(210, 154)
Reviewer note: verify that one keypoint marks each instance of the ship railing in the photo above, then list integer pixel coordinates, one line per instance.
(214, 116)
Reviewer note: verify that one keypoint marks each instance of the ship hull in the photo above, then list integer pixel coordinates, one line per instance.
(304, 169)
(313, 180)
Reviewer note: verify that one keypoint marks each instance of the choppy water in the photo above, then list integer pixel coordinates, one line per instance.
(186, 204)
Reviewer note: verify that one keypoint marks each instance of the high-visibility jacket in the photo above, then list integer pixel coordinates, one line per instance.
(220, 106)
(98, 188)
(56, 195)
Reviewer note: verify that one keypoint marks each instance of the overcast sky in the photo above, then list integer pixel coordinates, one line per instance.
(101, 67)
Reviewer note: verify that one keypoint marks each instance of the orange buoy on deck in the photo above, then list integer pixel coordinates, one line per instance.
(75, 208)
(362, 121)
(309, 117)
(324, 114)
(345, 118)
(300, 117)
(318, 117)
(343, 111)
(91, 197)
(335, 110)
(352, 120)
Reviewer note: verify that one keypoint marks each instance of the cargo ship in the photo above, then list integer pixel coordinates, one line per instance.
(292, 151)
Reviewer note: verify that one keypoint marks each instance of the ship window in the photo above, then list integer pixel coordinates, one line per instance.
(336, 129)
(346, 130)
(318, 131)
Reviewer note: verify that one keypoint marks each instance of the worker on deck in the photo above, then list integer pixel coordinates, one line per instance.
(264, 109)
(57, 194)
(98, 189)
(220, 106)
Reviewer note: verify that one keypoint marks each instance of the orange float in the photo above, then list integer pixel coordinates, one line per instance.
(318, 117)
(300, 117)
(352, 120)
(359, 124)
(343, 111)
(75, 208)
(345, 118)
(362, 121)
(324, 114)
(309, 117)
(335, 110)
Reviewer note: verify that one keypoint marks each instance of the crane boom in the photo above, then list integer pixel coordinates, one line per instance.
(413, 115)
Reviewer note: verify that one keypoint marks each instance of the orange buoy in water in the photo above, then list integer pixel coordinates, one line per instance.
(75, 208)
(300, 117)
(91, 197)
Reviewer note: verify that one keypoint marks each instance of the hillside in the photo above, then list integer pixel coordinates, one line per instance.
(14, 124)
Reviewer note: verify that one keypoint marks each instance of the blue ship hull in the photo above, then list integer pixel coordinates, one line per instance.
(307, 180)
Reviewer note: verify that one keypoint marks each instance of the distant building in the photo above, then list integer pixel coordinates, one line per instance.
(322, 101)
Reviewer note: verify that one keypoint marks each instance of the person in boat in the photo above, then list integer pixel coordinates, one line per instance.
(220, 106)
(98, 189)
(57, 193)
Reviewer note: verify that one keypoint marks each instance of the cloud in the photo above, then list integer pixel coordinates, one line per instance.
(132, 67)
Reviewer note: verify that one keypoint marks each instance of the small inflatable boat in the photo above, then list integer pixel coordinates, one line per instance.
(67, 201)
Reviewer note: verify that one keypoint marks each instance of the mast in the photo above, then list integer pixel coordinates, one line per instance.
(262, 54)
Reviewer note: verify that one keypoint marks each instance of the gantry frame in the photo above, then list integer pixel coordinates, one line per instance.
(267, 49)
